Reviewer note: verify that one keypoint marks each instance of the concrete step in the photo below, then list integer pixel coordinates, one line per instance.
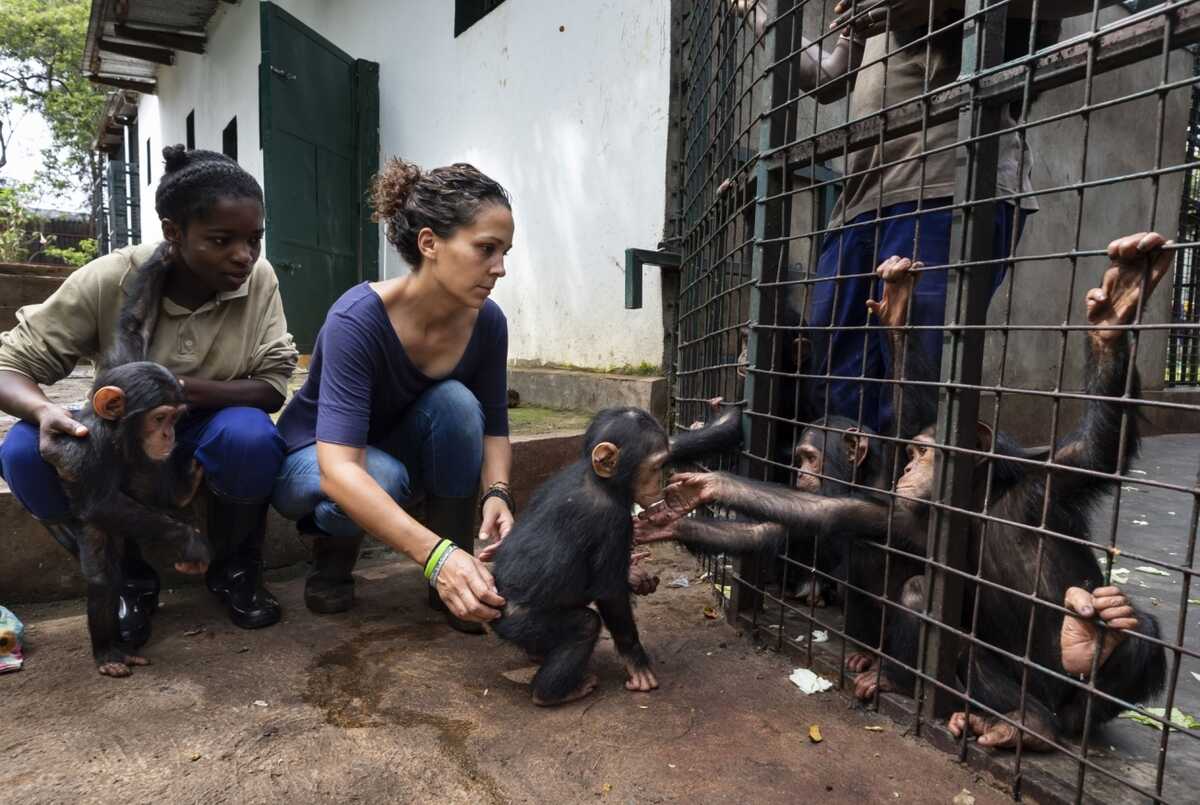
(33, 567)
(588, 391)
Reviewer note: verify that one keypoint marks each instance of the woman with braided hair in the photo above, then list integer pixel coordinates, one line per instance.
(407, 399)
(220, 329)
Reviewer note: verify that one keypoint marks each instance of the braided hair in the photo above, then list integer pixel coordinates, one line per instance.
(409, 199)
(193, 181)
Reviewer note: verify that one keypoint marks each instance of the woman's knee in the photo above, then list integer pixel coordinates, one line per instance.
(241, 452)
(454, 410)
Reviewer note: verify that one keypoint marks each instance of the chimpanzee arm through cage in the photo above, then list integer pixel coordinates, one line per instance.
(1129, 669)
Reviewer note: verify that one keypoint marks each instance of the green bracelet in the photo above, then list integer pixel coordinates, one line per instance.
(432, 561)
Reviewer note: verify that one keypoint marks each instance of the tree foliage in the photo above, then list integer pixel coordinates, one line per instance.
(41, 53)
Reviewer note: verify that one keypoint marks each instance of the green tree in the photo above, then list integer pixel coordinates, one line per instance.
(41, 54)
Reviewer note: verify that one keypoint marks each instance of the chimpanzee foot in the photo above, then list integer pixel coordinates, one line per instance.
(587, 686)
(858, 662)
(993, 732)
(867, 684)
(811, 593)
(121, 665)
(1107, 605)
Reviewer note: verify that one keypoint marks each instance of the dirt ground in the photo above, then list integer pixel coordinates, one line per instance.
(387, 704)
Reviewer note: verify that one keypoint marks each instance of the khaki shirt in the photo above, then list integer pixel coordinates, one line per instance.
(236, 335)
(900, 78)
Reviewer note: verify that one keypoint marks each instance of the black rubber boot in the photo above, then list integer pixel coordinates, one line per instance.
(452, 519)
(237, 576)
(329, 587)
(137, 597)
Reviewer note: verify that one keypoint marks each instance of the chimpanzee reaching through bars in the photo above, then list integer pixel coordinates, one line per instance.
(1016, 563)
(572, 549)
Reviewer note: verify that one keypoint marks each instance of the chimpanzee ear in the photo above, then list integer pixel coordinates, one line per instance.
(109, 403)
(984, 437)
(604, 459)
(857, 444)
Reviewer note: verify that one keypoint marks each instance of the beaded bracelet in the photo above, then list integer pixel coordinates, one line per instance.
(499, 490)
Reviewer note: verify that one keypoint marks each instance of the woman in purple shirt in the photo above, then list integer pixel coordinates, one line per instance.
(406, 398)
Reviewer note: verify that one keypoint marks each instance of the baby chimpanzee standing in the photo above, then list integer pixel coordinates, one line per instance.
(572, 548)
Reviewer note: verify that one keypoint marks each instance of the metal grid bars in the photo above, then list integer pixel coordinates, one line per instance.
(986, 455)
(1183, 349)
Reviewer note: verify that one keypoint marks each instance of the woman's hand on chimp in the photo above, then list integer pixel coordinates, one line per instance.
(468, 589)
(56, 419)
(192, 568)
(497, 522)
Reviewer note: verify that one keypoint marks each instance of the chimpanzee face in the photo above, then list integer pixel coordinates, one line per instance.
(158, 431)
(809, 466)
(220, 248)
(917, 480)
(470, 262)
(647, 483)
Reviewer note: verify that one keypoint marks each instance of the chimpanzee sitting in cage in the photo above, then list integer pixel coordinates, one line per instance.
(1087, 629)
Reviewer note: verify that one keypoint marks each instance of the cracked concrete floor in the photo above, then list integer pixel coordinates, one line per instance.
(387, 704)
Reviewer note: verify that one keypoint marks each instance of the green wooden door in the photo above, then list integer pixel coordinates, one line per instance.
(320, 140)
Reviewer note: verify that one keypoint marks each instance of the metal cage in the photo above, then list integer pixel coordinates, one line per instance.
(1092, 120)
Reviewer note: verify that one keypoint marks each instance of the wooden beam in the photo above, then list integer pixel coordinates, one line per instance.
(148, 87)
(166, 39)
(143, 52)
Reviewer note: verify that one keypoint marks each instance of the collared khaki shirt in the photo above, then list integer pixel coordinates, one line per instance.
(896, 172)
(236, 335)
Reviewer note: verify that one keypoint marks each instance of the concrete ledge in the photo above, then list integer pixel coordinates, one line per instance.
(33, 567)
(588, 391)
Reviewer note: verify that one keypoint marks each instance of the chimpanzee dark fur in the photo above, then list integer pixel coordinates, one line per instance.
(571, 549)
(1007, 553)
(118, 493)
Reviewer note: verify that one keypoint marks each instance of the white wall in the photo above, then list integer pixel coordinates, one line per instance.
(221, 83)
(572, 122)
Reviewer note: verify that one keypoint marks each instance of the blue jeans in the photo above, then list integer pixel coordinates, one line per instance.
(841, 302)
(436, 449)
(238, 447)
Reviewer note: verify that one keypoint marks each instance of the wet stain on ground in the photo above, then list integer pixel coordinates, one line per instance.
(348, 684)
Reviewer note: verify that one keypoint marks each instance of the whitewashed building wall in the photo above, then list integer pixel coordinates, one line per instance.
(563, 103)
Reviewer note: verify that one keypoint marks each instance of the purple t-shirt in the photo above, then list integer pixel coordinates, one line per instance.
(360, 380)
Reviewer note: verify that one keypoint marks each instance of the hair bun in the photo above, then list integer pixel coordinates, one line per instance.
(175, 157)
(392, 187)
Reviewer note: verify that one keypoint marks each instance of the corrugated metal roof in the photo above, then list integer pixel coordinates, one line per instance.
(127, 40)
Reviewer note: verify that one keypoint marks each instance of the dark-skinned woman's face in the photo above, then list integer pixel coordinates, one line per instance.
(220, 248)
